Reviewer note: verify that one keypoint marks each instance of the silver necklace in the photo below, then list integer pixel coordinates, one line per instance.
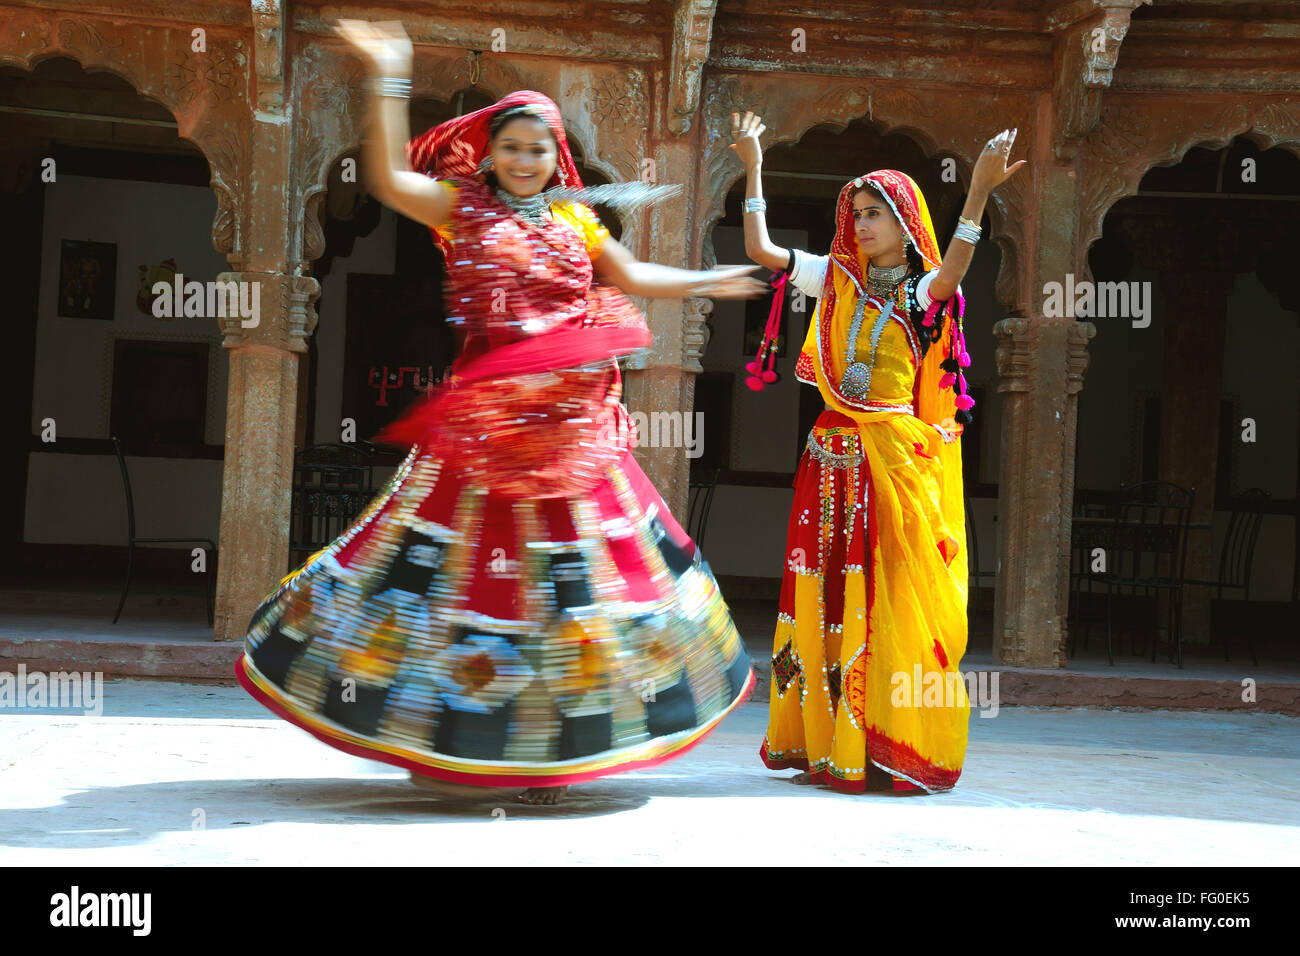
(882, 280)
(857, 375)
(528, 208)
(620, 197)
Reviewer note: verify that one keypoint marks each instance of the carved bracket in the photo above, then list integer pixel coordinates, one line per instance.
(286, 312)
(692, 30)
(1077, 336)
(1088, 40)
(695, 332)
(1015, 353)
(268, 53)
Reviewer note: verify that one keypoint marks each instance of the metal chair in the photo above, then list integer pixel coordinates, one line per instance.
(700, 501)
(973, 548)
(332, 484)
(1237, 558)
(133, 539)
(1084, 539)
(1149, 553)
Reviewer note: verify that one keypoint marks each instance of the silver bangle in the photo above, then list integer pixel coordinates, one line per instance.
(966, 233)
(390, 86)
(755, 205)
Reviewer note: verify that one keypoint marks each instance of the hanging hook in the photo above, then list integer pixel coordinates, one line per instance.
(476, 71)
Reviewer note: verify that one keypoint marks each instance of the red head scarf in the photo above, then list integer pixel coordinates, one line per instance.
(908, 204)
(934, 402)
(455, 148)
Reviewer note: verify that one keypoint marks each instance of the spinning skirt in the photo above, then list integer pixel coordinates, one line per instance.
(502, 640)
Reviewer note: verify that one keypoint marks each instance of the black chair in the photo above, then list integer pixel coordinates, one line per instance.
(332, 484)
(1237, 558)
(973, 548)
(1148, 553)
(700, 501)
(133, 540)
(1085, 537)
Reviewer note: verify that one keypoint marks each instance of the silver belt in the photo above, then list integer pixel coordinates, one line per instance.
(830, 458)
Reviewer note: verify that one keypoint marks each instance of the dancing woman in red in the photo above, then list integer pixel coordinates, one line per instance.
(517, 608)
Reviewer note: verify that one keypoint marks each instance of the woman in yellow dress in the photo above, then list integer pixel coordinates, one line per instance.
(871, 628)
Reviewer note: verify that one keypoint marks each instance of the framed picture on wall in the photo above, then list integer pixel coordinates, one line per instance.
(87, 279)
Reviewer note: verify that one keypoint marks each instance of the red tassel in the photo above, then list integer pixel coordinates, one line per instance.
(759, 377)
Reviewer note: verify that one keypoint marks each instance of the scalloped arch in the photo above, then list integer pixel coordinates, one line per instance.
(1007, 239)
(1126, 182)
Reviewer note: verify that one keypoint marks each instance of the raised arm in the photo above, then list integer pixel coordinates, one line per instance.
(758, 245)
(387, 52)
(990, 171)
(618, 267)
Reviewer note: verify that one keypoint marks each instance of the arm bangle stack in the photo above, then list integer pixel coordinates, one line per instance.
(390, 86)
(755, 205)
(967, 231)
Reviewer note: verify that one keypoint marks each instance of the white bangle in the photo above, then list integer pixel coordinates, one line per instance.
(390, 86)
(755, 205)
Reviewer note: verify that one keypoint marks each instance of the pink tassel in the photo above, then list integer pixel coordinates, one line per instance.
(964, 359)
(760, 377)
(947, 380)
(965, 401)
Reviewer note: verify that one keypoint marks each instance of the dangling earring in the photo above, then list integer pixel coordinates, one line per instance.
(564, 180)
(485, 166)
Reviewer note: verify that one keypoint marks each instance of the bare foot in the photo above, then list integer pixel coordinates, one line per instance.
(451, 789)
(803, 779)
(542, 796)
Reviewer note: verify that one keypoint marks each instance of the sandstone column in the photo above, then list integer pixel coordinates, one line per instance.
(1041, 361)
(263, 392)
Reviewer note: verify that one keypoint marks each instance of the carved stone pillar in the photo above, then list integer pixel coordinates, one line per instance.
(1041, 362)
(261, 403)
(662, 382)
(261, 406)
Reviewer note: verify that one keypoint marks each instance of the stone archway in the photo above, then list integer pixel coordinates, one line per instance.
(205, 95)
(199, 75)
(1136, 134)
(1197, 234)
(941, 126)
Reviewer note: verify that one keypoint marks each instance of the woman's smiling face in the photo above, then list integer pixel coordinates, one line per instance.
(524, 156)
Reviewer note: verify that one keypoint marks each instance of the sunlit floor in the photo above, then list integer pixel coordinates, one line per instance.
(186, 773)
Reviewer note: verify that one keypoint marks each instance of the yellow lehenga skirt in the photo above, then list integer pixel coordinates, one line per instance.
(872, 619)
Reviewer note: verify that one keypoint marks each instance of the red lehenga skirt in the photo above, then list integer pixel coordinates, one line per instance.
(516, 607)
